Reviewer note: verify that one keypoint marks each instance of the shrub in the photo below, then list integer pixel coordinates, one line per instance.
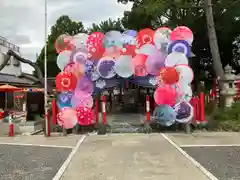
(227, 118)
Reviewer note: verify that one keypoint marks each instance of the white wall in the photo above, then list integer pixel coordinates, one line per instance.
(10, 68)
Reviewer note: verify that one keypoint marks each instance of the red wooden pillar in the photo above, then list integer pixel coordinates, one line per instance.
(148, 114)
(201, 107)
(11, 125)
(54, 111)
(104, 113)
(97, 109)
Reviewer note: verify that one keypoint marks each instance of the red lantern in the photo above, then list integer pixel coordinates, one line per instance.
(85, 116)
(145, 36)
(66, 81)
(170, 75)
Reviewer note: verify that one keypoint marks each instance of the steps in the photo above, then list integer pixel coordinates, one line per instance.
(126, 123)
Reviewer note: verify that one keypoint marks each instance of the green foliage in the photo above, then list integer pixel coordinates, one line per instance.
(228, 119)
(64, 25)
(106, 26)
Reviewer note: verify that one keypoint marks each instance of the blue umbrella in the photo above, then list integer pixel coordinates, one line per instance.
(164, 115)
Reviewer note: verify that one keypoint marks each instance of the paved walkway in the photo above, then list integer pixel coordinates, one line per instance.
(206, 139)
(130, 157)
(123, 156)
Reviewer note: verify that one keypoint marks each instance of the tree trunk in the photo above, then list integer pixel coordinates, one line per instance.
(217, 64)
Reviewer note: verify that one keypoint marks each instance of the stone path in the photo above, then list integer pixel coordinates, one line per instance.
(130, 157)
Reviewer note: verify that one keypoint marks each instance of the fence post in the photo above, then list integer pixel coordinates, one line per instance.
(97, 110)
(11, 125)
(54, 111)
(148, 114)
(201, 107)
(104, 114)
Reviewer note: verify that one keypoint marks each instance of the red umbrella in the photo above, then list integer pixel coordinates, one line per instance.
(8, 88)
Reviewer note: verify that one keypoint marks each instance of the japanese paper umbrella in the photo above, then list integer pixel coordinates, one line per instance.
(105, 68)
(81, 98)
(184, 111)
(95, 45)
(79, 55)
(139, 62)
(67, 117)
(85, 84)
(147, 49)
(185, 74)
(165, 95)
(164, 115)
(162, 36)
(63, 42)
(66, 81)
(186, 93)
(130, 32)
(180, 46)
(124, 66)
(64, 99)
(63, 59)
(76, 68)
(80, 40)
(128, 50)
(155, 62)
(170, 76)
(85, 116)
(145, 36)
(175, 58)
(113, 39)
(182, 33)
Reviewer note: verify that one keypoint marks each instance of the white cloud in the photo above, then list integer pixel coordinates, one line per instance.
(22, 21)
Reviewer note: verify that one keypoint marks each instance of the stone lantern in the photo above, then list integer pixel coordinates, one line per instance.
(229, 89)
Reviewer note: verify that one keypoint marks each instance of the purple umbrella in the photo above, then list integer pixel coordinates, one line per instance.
(155, 62)
(85, 85)
(106, 68)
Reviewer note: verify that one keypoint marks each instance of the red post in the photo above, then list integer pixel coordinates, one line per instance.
(104, 114)
(126, 85)
(97, 110)
(48, 125)
(11, 125)
(195, 103)
(148, 118)
(54, 111)
(201, 107)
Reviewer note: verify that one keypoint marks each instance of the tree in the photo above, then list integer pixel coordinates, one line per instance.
(217, 63)
(193, 14)
(64, 25)
(106, 26)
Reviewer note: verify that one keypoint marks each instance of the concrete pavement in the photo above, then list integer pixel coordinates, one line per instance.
(130, 157)
(173, 156)
(206, 139)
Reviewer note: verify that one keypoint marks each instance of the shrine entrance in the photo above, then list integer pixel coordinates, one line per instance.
(126, 108)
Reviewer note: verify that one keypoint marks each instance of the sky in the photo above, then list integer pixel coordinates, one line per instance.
(22, 21)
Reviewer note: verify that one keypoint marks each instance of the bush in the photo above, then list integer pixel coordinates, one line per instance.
(227, 119)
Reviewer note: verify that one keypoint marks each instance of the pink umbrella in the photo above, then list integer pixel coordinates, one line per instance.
(67, 117)
(165, 95)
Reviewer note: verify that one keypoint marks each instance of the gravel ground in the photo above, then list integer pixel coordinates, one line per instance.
(222, 162)
(30, 162)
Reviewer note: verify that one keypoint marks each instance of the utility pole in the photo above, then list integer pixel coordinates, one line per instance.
(47, 128)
